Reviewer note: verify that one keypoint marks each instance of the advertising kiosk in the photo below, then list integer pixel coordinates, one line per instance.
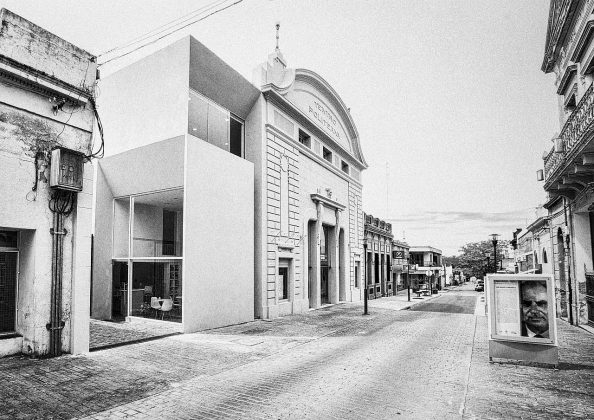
(521, 314)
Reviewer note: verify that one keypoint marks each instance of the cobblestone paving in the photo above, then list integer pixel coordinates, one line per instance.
(330, 363)
(105, 333)
(354, 372)
(506, 391)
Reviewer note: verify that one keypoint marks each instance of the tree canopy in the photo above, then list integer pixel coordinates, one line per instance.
(472, 260)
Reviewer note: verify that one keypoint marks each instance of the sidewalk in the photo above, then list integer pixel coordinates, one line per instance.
(400, 302)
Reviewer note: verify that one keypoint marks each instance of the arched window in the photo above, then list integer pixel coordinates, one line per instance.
(544, 256)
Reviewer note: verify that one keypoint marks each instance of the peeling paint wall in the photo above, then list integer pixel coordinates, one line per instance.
(30, 127)
(32, 46)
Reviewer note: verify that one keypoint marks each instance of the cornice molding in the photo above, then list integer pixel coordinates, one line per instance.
(560, 16)
(327, 202)
(378, 231)
(583, 42)
(570, 72)
(19, 73)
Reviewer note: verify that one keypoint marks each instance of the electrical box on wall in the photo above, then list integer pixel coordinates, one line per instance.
(66, 170)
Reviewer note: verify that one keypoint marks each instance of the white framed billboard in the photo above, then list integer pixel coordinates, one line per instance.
(521, 308)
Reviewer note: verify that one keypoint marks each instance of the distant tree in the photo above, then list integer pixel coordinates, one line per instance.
(453, 260)
(472, 260)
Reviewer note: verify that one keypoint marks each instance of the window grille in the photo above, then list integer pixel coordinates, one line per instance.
(8, 287)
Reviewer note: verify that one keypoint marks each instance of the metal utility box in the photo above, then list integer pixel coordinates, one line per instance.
(66, 170)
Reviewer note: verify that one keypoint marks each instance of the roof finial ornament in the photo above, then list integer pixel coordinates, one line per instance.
(277, 49)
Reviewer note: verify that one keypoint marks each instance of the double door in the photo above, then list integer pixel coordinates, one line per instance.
(324, 285)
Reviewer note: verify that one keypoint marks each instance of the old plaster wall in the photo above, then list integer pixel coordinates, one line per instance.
(29, 126)
(32, 46)
(22, 135)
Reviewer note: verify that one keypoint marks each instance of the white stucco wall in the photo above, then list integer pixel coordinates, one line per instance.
(146, 101)
(218, 268)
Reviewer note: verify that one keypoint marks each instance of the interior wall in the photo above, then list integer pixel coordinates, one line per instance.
(218, 270)
(148, 230)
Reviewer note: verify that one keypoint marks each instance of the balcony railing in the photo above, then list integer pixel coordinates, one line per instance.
(578, 123)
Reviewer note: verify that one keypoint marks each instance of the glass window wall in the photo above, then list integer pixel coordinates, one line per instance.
(121, 225)
(158, 221)
(147, 277)
(214, 124)
(157, 290)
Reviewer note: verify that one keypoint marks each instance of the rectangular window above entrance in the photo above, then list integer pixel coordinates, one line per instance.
(345, 167)
(327, 154)
(304, 139)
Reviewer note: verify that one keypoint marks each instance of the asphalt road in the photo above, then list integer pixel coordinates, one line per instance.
(454, 302)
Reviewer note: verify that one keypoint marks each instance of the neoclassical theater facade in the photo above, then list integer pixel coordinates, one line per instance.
(308, 216)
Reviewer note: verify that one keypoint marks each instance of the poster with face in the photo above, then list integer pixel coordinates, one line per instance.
(521, 308)
(534, 309)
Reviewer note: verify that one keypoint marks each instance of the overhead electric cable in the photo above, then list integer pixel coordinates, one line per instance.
(165, 26)
(169, 33)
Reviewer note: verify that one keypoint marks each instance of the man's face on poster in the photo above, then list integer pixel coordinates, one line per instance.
(535, 307)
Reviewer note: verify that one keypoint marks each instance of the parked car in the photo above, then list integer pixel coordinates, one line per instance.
(480, 285)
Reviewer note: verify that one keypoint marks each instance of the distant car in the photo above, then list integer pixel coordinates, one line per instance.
(480, 286)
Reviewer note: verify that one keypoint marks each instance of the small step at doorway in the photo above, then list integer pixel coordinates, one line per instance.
(107, 334)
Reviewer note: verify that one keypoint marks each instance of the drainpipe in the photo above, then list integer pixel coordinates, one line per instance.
(56, 324)
(569, 247)
(61, 205)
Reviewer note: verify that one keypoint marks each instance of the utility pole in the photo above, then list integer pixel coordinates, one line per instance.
(366, 275)
(408, 276)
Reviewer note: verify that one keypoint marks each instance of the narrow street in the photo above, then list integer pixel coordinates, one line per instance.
(430, 362)
(459, 302)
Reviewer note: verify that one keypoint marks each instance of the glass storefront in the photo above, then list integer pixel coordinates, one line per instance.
(147, 260)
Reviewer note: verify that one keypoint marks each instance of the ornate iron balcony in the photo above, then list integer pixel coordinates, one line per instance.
(572, 134)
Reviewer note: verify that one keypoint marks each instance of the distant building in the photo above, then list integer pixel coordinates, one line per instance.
(378, 239)
(46, 103)
(533, 248)
(400, 264)
(569, 164)
(429, 265)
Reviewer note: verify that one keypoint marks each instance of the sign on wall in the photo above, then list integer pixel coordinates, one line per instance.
(398, 254)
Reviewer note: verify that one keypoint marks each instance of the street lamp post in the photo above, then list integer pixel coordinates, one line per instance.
(428, 273)
(408, 277)
(366, 275)
(494, 237)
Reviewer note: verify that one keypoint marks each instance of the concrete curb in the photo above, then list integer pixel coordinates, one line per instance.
(437, 295)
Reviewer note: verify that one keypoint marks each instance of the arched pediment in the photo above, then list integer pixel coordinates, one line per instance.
(316, 99)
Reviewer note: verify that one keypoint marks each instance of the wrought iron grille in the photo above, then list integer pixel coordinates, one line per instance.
(590, 297)
(8, 271)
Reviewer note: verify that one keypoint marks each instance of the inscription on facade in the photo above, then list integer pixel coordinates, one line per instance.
(324, 117)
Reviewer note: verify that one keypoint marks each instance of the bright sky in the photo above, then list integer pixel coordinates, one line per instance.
(452, 109)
